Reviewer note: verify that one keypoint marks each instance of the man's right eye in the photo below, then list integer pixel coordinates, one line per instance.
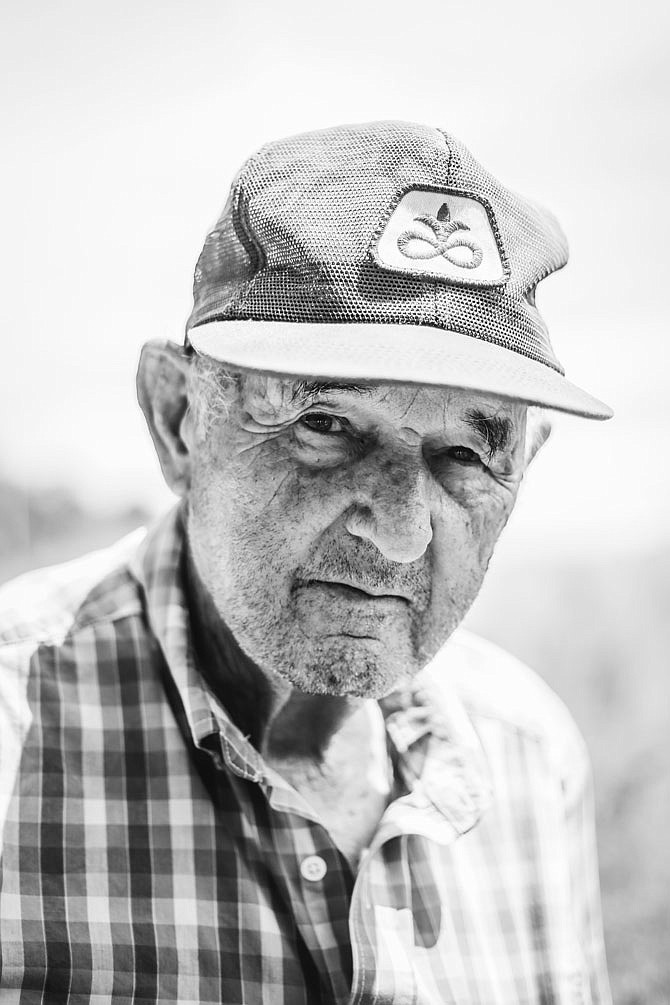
(321, 422)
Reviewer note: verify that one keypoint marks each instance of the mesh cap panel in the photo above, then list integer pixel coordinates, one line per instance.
(296, 240)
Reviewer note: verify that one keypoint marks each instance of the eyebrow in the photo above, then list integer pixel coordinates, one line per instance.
(495, 431)
(307, 390)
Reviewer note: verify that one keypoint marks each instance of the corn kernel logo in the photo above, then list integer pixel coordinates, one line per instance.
(442, 235)
(446, 238)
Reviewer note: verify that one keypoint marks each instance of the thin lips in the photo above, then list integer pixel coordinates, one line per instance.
(367, 590)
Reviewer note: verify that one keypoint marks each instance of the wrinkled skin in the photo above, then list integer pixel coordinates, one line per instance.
(277, 510)
(343, 538)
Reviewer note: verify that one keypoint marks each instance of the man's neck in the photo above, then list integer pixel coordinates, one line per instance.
(280, 721)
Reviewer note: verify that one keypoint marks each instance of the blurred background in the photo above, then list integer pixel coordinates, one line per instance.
(124, 124)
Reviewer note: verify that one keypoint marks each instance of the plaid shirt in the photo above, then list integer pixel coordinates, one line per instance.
(150, 855)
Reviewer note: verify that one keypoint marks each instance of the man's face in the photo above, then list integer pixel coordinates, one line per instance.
(343, 531)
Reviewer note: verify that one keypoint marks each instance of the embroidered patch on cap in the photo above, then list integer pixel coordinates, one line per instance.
(445, 235)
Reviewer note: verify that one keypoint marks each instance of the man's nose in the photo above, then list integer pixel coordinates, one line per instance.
(393, 511)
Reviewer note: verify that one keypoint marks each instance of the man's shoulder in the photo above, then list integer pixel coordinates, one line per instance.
(41, 616)
(493, 682)
(43, 607)
(501, 691)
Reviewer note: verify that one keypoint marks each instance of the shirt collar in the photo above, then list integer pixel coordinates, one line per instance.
(158, 567)
(440, 758)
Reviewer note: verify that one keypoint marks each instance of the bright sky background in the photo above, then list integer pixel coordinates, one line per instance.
(124, 123)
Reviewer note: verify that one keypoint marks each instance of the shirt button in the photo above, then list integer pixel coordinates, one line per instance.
(313, 868)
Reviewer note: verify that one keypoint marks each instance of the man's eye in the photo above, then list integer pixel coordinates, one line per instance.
(321, 422)
(464, 455)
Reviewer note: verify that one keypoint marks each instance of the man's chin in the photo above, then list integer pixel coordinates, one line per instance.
(354, 666)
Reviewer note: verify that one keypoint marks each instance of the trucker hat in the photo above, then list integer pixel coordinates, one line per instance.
(382, 252)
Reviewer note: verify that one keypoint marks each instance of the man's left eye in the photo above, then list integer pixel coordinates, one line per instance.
(464, 455)
(321, 422)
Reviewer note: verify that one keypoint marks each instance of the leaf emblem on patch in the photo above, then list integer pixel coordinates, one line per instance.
(440, 235)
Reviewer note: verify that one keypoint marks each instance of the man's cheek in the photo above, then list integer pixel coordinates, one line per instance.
(466, 535)
(487, 524)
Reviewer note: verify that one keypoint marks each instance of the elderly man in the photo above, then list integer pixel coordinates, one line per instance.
(247, 758)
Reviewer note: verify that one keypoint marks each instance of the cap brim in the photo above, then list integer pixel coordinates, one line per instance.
(409, 354)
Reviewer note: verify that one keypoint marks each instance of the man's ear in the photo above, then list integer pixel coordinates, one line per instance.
(538, 430)
(162, 394)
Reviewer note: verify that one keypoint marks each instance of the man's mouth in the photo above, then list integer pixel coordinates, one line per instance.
(355, 592)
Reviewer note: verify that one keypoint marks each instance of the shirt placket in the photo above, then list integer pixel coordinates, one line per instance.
(448, 789)
(382, 936)
(316, 878)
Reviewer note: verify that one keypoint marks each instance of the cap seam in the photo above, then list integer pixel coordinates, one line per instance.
(240, 215)
(507, 268)
(447, 178)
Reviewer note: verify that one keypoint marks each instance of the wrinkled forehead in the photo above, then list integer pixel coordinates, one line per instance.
(425, 408)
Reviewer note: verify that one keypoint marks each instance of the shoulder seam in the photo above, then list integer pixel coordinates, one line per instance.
(52, 637)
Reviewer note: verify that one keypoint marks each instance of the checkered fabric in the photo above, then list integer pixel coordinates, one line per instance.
(150, 855)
